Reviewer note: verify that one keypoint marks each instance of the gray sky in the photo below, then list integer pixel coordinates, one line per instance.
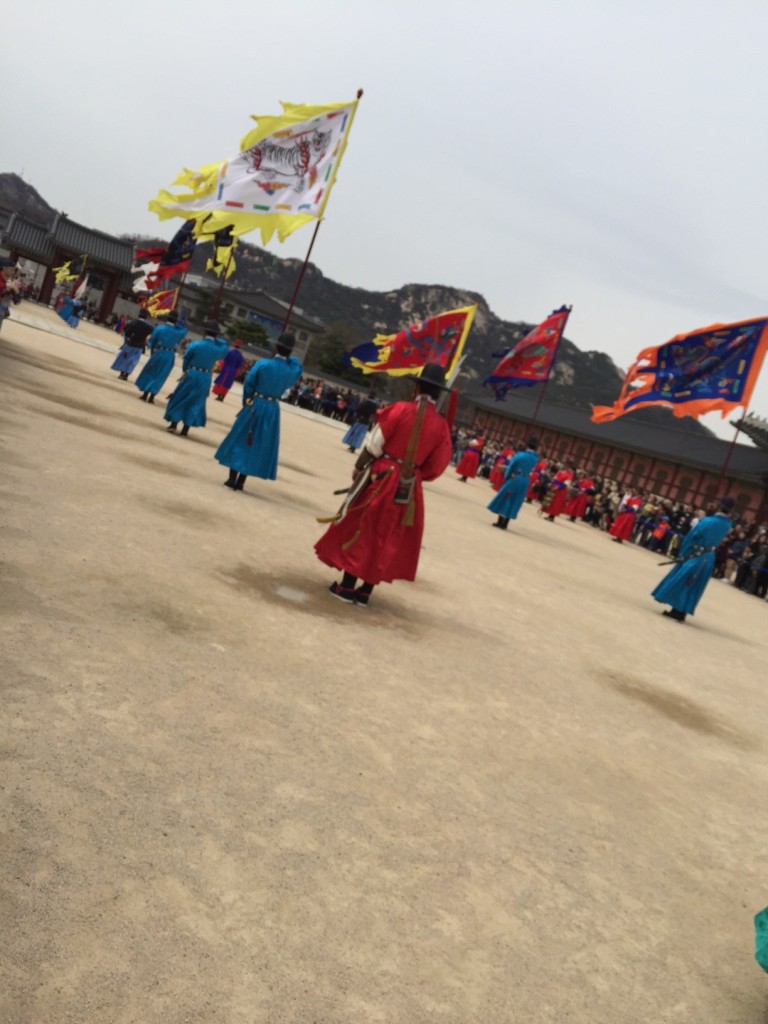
(609, 154)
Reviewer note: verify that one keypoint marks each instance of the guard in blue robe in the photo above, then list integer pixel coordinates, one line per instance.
(683, 586)
(163, 344)
(71, 310)
(251, 446)
(509, 500)
(187, 404)
(356, 434)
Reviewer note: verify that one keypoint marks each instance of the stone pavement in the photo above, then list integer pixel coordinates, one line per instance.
(509, 792)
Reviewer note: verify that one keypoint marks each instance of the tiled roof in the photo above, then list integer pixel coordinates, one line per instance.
(39, 242)
(103, 249)
(756, 429)
(32, 239)
(662, 442)
(261, 302)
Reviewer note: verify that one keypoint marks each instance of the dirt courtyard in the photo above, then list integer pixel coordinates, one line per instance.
(509, 792)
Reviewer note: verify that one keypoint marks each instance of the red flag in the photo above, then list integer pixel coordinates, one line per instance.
(438, 339)
(161, 303)
(531, 359)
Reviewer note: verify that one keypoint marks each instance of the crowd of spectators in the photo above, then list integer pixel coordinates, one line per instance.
(659, 524)
(331, 400)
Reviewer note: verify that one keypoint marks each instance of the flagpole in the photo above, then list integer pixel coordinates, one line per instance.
(540, 399)
(729, 453)
(300, 278)
(217, 300)
(320, 213)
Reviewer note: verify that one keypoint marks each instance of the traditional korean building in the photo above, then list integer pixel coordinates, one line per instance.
(256, 306)
(108, 258)
(673, 464)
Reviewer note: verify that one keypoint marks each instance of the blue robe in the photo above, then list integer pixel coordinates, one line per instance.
(508, 502)
(683, 586)
(356, 434)
(163, 343)
(187, 405)
(71, 310)
(126, 358)
(252, 444)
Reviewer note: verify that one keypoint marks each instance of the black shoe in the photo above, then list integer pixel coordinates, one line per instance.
(171, 427)
(144, 396)
(184, 431)
(219, 398)
(673, 613)
(151, 399)
(240, 483)
(550, 519)
(347, 596)
(361, 597)
(230, 483)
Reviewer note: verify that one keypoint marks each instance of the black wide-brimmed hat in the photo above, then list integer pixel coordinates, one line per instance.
(432, 374)
(286, 342)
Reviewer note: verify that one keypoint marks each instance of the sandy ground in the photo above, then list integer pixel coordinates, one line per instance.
(510, 792)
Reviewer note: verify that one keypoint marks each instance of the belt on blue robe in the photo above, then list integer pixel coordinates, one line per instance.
(256, 394)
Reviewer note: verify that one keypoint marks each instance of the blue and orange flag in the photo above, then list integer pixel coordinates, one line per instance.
(530, 361)
(438, 339)
(713, 369)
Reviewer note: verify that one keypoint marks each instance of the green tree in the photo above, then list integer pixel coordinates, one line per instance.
(327, 354)
(249, 331)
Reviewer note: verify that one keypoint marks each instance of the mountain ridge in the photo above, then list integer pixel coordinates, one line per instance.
(579, 378)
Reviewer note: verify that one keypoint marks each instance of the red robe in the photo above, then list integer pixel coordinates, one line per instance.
(560, 495)
(534, 482)
(469, 464)
(377, 540)
(624, 523)
(497, 473)
(577, 505)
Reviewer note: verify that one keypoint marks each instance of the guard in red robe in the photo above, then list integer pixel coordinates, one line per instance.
(470, 460)
(624, 523)
(500, 464)
(377, 539)
(535, 482)
(583, 487)
(558, 494)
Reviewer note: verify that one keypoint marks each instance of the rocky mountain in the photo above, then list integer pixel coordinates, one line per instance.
(354, 315)
(579, 378)
(18, 196)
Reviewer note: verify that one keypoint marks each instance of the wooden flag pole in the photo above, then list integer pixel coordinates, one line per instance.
(217, 300)
(300, 278)
(303, 270)
(540, 399)
(729, 453)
